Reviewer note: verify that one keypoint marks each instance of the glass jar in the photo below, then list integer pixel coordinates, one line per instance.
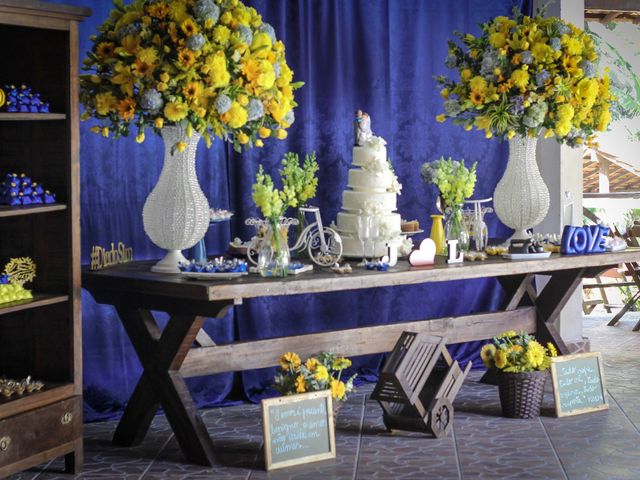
(455, 228)
(274, 256)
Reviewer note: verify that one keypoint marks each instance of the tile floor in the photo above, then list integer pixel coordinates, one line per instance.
(482, 444)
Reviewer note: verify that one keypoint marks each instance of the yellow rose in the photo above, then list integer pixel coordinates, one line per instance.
(444, 93)
(497, 40)
(264, 132)
(281, 134)
(95, 129)
(236, 116)
(441, 118)
(478, 84)
(159, 122)
(259, 143)
(105, 132)
(243, 99)
(140, 137)
(243, 138)
(500, 359)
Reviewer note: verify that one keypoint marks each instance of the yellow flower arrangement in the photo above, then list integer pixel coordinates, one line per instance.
(513, 352)
(526, 74)
(321, 372)
(211, 65)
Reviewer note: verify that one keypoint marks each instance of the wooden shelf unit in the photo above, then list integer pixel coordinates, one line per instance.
(42, 337)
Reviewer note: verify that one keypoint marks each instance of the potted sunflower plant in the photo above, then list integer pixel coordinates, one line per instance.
(520, 363)
(320, 372)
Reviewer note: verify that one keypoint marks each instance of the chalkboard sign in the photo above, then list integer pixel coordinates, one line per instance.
(578, 384)
(298, 429)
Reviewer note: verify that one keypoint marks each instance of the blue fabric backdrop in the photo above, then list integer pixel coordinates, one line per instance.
(378, 55)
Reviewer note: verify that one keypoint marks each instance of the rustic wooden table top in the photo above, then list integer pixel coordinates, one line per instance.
(136, 277)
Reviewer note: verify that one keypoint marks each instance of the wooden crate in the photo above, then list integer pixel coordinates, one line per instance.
(414, 392)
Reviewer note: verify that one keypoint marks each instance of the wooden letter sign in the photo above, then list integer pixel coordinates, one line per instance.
(578, 384)
(298, 429)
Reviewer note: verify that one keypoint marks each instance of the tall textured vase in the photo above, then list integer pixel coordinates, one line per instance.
(176, 212)
(521, 199)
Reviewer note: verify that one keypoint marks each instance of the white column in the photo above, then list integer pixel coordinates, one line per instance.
(561, 168)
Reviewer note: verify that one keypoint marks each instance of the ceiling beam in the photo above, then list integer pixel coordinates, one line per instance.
(612, 5)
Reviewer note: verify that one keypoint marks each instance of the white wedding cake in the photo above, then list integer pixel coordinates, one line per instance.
(372, 193)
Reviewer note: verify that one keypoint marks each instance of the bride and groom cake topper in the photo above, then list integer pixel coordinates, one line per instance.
(362, 128)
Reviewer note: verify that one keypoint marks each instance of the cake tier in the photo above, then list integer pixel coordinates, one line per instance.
(365, 156)
(365, 181)
(352, 248)
(352, 200)
(346, 222)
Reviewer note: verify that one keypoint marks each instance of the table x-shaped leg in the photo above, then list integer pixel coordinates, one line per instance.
(161, 355)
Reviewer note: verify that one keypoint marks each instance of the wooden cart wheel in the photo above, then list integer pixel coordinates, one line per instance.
(440, 417)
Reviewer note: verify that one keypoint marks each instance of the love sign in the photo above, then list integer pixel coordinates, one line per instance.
(587, 239)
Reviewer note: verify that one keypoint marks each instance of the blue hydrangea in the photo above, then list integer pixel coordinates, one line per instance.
(451, 61)
(562, 29)
(223, 104)
(196, 42)
(290, 117)
(131, 29)
(151, 100)
(535, 115)
(555, 43)
(206, 10)
(255, 109)
(268, 29)
(588, 68)
(452, 107)
(489, 62)
(541, 78)
(526, 57)
(517, 105)
(246, 35)
(276, 69)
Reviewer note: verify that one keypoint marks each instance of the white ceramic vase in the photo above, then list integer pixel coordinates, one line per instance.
(176, 212)
(521, 198)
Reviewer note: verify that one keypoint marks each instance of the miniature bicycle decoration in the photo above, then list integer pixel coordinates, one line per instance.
(323, 244)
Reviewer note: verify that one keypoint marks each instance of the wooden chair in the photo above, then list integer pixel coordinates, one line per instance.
(627, 276)
(632, 270)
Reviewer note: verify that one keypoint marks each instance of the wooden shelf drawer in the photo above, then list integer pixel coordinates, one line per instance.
(35, 432)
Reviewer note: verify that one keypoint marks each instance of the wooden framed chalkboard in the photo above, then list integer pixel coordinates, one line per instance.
(578, 384)
(298, 429)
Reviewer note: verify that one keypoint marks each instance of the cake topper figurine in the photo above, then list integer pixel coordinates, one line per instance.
(362, 128)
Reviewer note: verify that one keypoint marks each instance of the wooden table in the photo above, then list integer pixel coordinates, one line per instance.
(168, 357)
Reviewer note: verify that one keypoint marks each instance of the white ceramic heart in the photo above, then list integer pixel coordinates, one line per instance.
(424, 255)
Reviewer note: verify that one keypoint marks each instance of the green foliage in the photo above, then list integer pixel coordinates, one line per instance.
(299, 180)
(454, 180)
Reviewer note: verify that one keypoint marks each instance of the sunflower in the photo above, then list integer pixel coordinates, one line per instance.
(500, 359)
(127, 108)
(105, 50)
(186, 57)
(159, 10)
(142, 69)
(338, 389)
(553, 351)
(311, 364)
(487, 353)
(192, 90)
(322, 374)
(300, 384)
(476, 97)
(290, 359)
(189, 27)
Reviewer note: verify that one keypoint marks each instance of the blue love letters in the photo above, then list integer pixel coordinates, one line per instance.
(587, 239)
